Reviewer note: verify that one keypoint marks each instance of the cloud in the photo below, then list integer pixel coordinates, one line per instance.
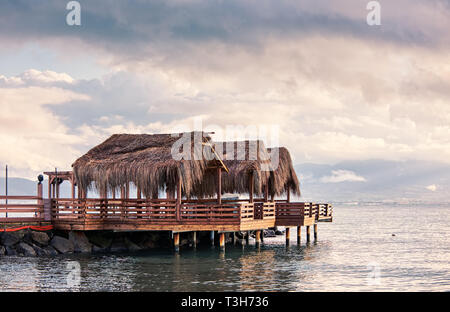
(432, 187)
(338, 89)
(338, 176)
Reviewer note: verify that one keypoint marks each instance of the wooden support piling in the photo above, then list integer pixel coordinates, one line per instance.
(222, 241)
(315, 231)
(258, 238)
(176, 241)
(308, 234)
(195, 239)
(288, 235)
(211, 237)
(299, 234)
(247, 238)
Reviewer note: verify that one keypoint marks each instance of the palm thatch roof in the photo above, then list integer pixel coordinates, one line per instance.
(146, 160)
(283, 176)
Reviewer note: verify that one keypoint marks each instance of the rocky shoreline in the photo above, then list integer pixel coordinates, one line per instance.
(30, 243)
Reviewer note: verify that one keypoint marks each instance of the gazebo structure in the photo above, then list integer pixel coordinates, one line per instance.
(192, 188)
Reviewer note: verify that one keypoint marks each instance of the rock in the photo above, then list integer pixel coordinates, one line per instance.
(278, 232)
(40, 238)
(62, 244)
(131, 246)
(40, 251)
(50, 250)
(25, 249)
(11, 238)
(10, 251)
(269, 233)
(96, 249)
(2, 251)
(80, 242)
(101, 240)
(118, 245)
(148, 244)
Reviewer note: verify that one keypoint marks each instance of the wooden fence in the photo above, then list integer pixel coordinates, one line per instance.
(21, 209)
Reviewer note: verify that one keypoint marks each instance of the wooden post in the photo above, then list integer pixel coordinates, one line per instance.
(299, 234)
(219, 186)
(288, 235)
(308, 234)
(247, 238)
(179, 199)
(176, 241)
(251, 187)
(40, 200)
(288, 195)
(73, 188)
(138, 205)
(266, 192)
(49, 187)
(258, 238)
(211, 237)
(315, 231)
(195, 239)
(222, 241)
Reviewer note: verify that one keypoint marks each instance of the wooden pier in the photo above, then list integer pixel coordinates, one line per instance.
(146, 161)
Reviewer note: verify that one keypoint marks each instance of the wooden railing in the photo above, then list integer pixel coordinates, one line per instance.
(21, 209)
(151, 211)
(264, 211)
(291, 213)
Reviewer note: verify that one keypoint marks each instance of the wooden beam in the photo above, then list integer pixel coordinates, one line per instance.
(288, 195)
(299, 234)
(219, 186)
(179, 194)
(266, 192)
(251, 185)
(315, 231)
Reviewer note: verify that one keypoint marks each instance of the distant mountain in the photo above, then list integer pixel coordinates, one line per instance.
(376, 180)
(20, 186)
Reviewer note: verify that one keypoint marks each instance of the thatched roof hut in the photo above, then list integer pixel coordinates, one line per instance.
(284, 176)
(146, 161)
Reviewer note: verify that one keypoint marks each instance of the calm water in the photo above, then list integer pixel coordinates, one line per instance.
(356, 252)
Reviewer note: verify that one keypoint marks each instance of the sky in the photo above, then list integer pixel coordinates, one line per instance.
(335, 87)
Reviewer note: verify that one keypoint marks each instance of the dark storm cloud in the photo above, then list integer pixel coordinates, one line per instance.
(128, 25)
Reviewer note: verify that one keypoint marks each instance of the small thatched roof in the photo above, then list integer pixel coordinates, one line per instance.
(144, 160)
(242, 158)
(283, 177)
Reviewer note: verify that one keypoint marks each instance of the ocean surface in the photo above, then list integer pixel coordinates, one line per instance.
(357, 252)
